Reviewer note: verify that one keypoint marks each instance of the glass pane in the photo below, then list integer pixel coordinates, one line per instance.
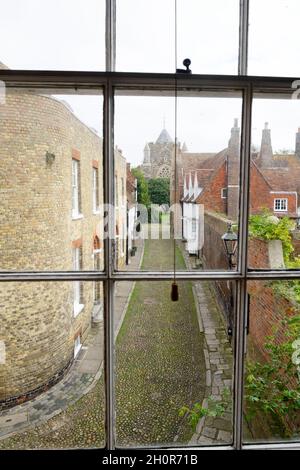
(274, 185)
(278, 22)
(174, 364)
(207, 33)
(193, 206)
(272, 379)
(51, 362)
(49, 147)
(53, 34)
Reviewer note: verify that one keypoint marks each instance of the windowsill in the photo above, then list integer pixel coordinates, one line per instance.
(77, 216)
(96, 212)
(77, 309)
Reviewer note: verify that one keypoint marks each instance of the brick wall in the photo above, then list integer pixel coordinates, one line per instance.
(214, 257)
(211, 196)
(36, 319)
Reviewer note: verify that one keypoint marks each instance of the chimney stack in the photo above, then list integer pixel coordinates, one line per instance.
(233, 172)
(297, 146)
(266, 151)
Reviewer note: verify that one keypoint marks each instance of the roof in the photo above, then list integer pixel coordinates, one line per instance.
(164, 138)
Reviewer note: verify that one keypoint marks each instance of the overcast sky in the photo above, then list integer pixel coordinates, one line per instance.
(69, 35)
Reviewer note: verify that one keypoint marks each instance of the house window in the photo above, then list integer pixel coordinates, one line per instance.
(76, 199)
(194, 226)
(77, 345)
(77, 285)
(280, 205)
(95, 190)
(97, 253)
(123, 191)
(224, 193)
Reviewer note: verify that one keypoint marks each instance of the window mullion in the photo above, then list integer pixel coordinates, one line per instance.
(240, 327)
(243, 37)
(110, 36)
(108, 182)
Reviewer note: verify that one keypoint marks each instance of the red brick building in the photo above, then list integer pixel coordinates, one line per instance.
(213, 179)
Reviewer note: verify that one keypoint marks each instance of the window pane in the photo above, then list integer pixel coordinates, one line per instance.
(172, 357)
(53, 34)
(197, 207)
(278, 22)
(51, 362)
(49, 145)
(207, 34)
(274, 184)
(272, 387)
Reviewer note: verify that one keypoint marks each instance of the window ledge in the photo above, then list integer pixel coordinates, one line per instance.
(77, 216)
(77, 309)
(96, 212)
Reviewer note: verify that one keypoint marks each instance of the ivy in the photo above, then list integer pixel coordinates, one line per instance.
(273, 388)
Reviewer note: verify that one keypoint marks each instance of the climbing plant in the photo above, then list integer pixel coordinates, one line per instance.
(272, 387)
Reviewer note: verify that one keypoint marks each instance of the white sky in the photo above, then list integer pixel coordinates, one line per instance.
(69, 35)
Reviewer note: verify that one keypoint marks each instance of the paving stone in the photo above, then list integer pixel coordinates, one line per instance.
(223, 424)
(209, 432)
(224, 436)
(208, 378)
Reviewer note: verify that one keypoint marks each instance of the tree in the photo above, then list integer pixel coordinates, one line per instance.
(142, 187)
(159, 191)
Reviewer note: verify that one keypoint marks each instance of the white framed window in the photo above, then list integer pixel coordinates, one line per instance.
(194, 226)
(123, 191)
(280, 205)
(224, 193)
(95, 189)
(77, 345)
(77, 285)
(75, 188)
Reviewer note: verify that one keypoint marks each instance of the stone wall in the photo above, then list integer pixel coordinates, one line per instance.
(37, 322)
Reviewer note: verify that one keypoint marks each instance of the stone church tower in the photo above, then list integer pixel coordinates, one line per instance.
(157, 160)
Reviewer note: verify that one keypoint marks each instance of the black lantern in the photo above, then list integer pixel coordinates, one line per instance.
(230, 241)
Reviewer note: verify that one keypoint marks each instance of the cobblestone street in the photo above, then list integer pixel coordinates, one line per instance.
(168, 354)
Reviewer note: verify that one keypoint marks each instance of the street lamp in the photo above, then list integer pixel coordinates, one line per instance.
(230, 241)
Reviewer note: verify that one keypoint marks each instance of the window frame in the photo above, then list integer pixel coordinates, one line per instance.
(95, 190)
(281, 200)
(108, 81)
(76, 209)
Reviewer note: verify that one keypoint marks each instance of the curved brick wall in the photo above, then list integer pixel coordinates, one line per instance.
(36, 319)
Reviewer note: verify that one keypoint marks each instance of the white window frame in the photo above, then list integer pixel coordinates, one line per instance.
(77, 305)
(75, 189)
(77, 346)
(224, 190)
(283, 204)
(95, 190)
